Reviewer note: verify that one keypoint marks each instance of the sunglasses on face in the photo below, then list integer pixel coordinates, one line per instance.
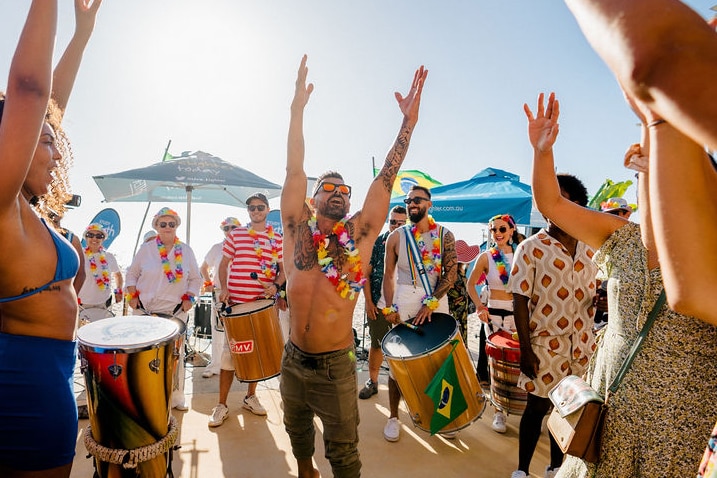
(417, 200)
(258, 207)
(170, 225)
(229, 228)
(400, 222)
(502, 229)
(92, 235)
(331, 187)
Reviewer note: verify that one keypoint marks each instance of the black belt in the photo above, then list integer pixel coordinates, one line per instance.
(500, 312)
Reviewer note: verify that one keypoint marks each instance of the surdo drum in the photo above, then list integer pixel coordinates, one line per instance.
(414, 358)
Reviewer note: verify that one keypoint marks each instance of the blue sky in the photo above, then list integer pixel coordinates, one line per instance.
(218, 76)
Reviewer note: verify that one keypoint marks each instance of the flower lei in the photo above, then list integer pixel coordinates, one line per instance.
(431, 260)
(176, 274)
(269, 270)
(345, 287)
(102, 277)
(500, 265)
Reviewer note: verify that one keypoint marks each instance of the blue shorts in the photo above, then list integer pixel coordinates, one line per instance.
(38, 412)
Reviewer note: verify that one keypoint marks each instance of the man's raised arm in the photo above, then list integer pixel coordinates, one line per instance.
(375, 208)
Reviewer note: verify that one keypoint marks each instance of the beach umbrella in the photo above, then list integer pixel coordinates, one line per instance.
(191, 177)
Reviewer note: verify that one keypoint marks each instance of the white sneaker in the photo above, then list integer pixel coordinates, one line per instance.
(551, 472)
(518, 474)
(180, 405)
(499, 422)
(207, 373)
(219, 414)
(392, 430)
(252, 404)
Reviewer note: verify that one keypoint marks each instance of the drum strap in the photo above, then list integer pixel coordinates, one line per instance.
(414, 259)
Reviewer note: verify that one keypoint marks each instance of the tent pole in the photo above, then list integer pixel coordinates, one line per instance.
(189, 209)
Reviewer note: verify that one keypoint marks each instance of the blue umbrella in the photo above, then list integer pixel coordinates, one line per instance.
(490, 192)
(198, 177)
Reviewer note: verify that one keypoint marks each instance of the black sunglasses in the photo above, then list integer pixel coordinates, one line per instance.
(92, 235)
(502, 229)
(170, 225)
(331, 187)
(417, 200)
(229, 228)
(393, 222)
(258, 207)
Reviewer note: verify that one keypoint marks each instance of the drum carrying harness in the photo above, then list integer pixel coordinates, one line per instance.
(414, 259)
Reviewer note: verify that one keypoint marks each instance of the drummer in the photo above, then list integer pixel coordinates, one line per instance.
(494, 264)
(95, 296)
(433, 250)
(164, 279)
(251, 251)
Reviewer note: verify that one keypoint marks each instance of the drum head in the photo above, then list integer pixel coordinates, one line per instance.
(402, 341)
(126, 334)
(248, 307)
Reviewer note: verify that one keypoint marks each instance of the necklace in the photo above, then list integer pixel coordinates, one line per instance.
(344, 286)
(176, 274)
(102, 276)
(268, 270)
(431, 260)
(500, 265)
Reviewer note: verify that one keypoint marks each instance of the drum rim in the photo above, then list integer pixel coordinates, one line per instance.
(270, 303)
(86, 345)
(452, 336)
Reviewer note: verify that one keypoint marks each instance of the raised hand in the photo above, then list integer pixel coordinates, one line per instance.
(85, 15)
(412, 101)
(635, 159)
(543, 128)
(303, 91)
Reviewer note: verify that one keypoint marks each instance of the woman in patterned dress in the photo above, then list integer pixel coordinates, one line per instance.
(660, 416)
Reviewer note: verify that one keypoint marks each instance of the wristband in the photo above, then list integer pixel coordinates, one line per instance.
(208, 283)
(131, 295)
(280, 295)
(655, 123)
(389, 310)
(189, 297)
(430, 302)
(118, 291)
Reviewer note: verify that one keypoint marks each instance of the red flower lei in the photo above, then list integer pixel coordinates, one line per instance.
(269, 271)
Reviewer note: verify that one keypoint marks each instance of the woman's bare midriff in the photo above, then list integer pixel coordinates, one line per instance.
(51, 314)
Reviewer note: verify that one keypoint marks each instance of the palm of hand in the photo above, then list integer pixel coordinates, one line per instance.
(540, 132)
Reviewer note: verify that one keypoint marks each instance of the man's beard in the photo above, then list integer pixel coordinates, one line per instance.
(333, 211)
(417, 216)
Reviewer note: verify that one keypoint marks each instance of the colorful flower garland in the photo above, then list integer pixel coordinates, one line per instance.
(345, 287)
(176, 274)
(431, 260)
(500, 265)
(271, 269)
(102, 277)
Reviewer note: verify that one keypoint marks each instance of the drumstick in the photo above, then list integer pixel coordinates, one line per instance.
(413, 327)
(255, 276)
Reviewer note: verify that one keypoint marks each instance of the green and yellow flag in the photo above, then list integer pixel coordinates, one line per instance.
(445, 391)
(407, 178)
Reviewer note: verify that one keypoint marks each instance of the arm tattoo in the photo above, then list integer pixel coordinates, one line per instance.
(395, 157)
(449, 262)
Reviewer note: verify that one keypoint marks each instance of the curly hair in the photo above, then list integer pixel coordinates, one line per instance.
(58, 193)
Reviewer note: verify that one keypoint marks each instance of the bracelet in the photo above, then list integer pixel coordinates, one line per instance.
(278, 287)
(389, 310)
(280, 295)
(208, 283)
(132, 295)
(655, 123)
(430, 302)
(118, 291)
(189, 297)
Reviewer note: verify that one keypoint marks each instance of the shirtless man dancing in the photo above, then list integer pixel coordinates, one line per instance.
(323, 263)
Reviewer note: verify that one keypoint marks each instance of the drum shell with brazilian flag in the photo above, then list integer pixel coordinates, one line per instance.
(446, 394)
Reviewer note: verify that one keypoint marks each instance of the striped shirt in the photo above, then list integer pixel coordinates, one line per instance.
(240, 249)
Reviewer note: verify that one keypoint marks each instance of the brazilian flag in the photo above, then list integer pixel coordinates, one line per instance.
(445, 391)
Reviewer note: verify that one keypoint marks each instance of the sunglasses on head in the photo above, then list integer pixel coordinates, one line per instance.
(400, 222)
(92, 235)
(170, 224)
(229, 228)
(257, 207)
(417, 200)
(331, 187)
(502, 229)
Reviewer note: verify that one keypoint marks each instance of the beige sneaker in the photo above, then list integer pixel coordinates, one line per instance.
(219, 414)
(252, 404)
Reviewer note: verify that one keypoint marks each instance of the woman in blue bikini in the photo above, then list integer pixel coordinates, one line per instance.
(38, 305)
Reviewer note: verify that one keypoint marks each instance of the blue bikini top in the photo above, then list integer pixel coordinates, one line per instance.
(67, 265)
